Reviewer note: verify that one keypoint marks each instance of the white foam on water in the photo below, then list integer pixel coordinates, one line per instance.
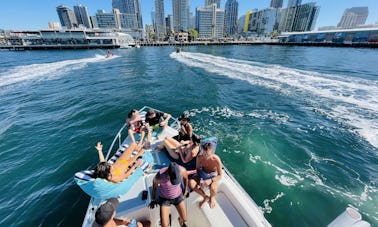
(351, 100)
(285, 180)
(42, 71)
(267, 203)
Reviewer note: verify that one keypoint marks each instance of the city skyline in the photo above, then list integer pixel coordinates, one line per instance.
(38, 14)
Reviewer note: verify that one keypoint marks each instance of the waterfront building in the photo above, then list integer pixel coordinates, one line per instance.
(353, 16)
(210, 21)
(339, 36)
(69, 38)
(276, 3)
(66, 16)
(159, 24)
(125, 21)
(180, 9)
(105, 20)
(54, 25)
(211, 2)
(299, 18)
(231, 17)
(262, 22)
(130, 7)
(293, 3)
(82, 16)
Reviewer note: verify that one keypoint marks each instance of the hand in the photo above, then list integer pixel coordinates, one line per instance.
(99, 146)
(152, 204)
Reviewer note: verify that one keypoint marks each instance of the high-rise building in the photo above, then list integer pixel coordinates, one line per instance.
(210, 2)
(169, 23)
(293, 3)
(180, 10)
(276, 4)
(66, 16)
(353, 17)
(130, 7)
(210, 21)
(159, 18)
(231, 17)
(299, 18)
(262, 22)
(82, 16)
(105, 20)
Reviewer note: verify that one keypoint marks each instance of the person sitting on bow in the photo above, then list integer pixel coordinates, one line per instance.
(209, 172)
(135, 124)
(156, 120)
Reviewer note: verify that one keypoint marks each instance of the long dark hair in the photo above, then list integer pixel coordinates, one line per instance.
(102, 170)
(130, 114)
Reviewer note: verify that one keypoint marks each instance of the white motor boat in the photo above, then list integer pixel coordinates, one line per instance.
(234, 206)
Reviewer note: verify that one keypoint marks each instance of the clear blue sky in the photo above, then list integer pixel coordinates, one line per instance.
(35, 14)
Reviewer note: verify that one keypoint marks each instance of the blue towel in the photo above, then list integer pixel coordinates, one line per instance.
(103, 189)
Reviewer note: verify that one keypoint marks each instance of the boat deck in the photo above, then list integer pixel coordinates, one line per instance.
(234, 206)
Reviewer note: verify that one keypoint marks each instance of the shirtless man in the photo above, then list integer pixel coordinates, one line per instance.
(209, 172)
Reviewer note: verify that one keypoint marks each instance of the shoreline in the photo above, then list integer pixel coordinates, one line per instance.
(195, 43)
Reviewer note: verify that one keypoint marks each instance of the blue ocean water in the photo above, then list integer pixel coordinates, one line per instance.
(297, 126)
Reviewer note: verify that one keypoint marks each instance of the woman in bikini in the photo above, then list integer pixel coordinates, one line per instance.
(120, 169)
(185, 150)
(135, 125)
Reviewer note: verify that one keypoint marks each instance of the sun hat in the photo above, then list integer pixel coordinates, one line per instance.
(105, 211)
(174, 173)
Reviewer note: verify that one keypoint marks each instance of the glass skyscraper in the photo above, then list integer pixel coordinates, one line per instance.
(231, 17)
(293, 3)
(159, 18)
(276, 3)
(66, 16)
(82, 17)
(180, 10)
(210, 2)
(353, 17)
(129, 7)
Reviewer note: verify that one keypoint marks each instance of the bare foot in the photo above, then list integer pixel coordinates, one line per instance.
(212, 202)
(200, 204)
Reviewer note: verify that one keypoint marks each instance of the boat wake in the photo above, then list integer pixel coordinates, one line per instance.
(45, 71)
(315, 172)
(348, 100)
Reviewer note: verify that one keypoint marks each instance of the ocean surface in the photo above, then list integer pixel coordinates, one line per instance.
(297, 126)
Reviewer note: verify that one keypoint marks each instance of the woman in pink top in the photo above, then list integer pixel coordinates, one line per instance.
(170, 192)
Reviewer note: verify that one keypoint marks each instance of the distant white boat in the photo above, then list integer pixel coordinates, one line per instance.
(234, 206)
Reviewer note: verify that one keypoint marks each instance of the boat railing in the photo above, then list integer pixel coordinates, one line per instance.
(173, 122)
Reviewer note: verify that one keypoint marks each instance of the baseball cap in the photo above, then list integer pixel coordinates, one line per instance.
(105, 211)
